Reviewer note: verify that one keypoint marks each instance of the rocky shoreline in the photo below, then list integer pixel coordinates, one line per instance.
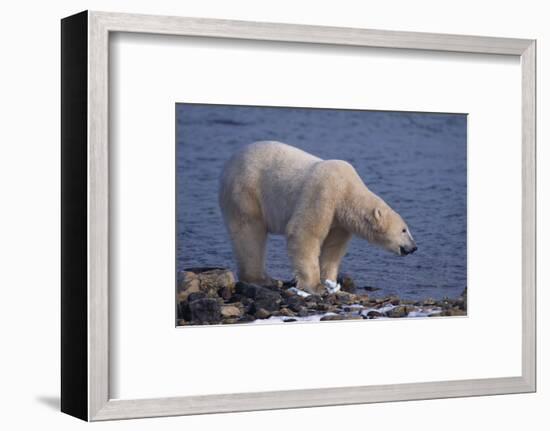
(212, 296)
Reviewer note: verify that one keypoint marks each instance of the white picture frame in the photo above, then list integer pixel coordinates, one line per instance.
(85, 216)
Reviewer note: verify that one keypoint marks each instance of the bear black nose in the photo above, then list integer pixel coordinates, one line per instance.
(405, 251)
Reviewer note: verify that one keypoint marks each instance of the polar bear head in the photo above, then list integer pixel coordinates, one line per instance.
(387, 229)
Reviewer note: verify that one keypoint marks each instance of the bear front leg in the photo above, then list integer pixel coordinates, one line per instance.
(308, 228)
(333, 250)
(304, 253)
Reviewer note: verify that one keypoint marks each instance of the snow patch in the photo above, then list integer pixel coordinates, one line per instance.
(299, 292)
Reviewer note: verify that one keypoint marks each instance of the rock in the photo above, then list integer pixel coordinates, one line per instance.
(278, 284)
(464, 297)
(247, 318)
(303, 312)
(316, 298)
(247, 290)
(352, 317)
(332, 317)
(444, 304)
(290, 283)
(262, 313)
(322, 307)
(285, 312)
(344, 298)
(453, 312)
(399, 311)
(225, 292)
(230, 321)
(270, 304)
(196, 295)
(295, 303)
(288, 293)
(313, 305)
(201, 269)
(230, 311)
(355, 298)
(393, 300)
(347, 283)
(211, 296)
(180, 309)
(461, 304)
(213, 280)
(371, 288)
(204, 311)
(188, 283)
(331, 299)
(263, 297)
(364, 300)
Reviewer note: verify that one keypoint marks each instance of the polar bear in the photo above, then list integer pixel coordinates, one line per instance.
(273, 188)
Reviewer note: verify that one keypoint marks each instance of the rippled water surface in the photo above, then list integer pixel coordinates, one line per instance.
(415, 161)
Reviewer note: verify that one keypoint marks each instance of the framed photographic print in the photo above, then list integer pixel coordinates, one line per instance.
(250, 208)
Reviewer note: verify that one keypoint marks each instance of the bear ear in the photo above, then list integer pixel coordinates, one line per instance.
(377, 214)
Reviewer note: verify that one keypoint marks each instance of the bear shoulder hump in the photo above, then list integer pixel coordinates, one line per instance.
(337, 167)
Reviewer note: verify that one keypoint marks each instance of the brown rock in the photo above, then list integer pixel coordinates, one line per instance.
(285, 312)
(321, 307)
(364, 300)
(230, 321)
(453, 312)
(393, 300)
(399, 311)
(347, 283)
(352, 317)
(188, 284)
(332, 317)
(344, 298)
(262, 313)
(295, 303)
(215, 279)
(228, 311)
(288, 293)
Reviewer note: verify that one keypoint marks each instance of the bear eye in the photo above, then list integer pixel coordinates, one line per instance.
(404, 230)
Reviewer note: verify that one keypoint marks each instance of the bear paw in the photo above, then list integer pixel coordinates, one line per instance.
(332, 286)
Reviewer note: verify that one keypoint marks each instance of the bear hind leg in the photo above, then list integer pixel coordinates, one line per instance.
(249, 245)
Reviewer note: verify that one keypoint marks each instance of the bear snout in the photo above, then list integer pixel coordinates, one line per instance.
(407, 250)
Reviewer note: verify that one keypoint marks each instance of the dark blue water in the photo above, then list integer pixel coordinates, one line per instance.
(415, 161)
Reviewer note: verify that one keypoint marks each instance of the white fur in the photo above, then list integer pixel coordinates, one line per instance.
(273, 188)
